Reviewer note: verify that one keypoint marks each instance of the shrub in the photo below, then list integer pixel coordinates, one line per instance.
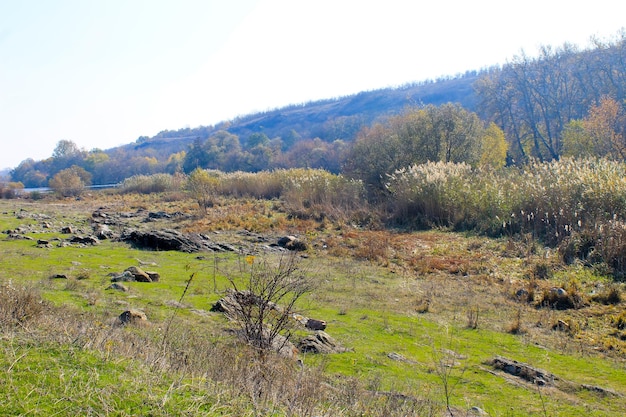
(18, 305)
(70, 182)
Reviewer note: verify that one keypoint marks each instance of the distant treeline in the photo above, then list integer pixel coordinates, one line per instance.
(565, 101)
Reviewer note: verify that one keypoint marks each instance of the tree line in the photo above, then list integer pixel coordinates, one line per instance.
(564, 102)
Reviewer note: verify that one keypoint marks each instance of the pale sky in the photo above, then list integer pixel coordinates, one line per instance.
(101, 73)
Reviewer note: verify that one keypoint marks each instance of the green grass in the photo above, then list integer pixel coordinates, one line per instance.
(51, 379)
(369, 309)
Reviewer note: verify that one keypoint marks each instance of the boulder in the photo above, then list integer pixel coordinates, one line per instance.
(320, 342)
(125, 276)
(68, 230)
(154, 276)
(292, 243)
(139, 274)
(171, 240)
(531, 374)
(133, 316)
(84, 240)
(315, 324)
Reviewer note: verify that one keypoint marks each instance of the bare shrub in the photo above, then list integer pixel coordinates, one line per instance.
(265, 299)
(18, 305)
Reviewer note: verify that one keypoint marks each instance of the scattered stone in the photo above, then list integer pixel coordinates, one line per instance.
(154, 276)
(18, 236)
(158, 215)
(118, 287)
(477, 411)
(68, 230)
(139, 274)
(531, 374)
(103, 231)
(558, 292)
(398, 357)
(125, 276)
(600, 390)
(320, 342)
(84, 240)
(292, 243)
(315, 324)
(133, 316)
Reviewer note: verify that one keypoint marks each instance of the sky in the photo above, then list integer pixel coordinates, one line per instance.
(102, 73)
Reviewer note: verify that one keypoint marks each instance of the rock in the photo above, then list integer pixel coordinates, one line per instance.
(558, 292)
(154, 276)
(158, 215)
(139, 274)
(170, 240)
(103, 232)
(292, 243)
(42, 242)
(133, 316)
(118, 286)
(84, 240)
(68, 230)
(125, 276)
(531, 374)
(315, 324)
(477, 411)
(320, 342)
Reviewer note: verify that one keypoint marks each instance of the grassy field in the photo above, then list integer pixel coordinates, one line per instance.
(421, 314)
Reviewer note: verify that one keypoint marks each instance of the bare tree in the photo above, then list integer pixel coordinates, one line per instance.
(264, 300)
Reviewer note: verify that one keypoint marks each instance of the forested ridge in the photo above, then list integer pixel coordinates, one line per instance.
(565, 101)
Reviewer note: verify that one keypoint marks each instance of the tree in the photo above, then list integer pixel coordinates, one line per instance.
(65, 149)
(196, 157)
(447, 133)
(70, 182)
(493, 148)
(601, 133)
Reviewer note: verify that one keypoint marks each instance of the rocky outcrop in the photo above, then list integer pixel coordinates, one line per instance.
(521, 370)
(172, 240)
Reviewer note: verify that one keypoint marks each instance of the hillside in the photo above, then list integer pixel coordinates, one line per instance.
(331, 119)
